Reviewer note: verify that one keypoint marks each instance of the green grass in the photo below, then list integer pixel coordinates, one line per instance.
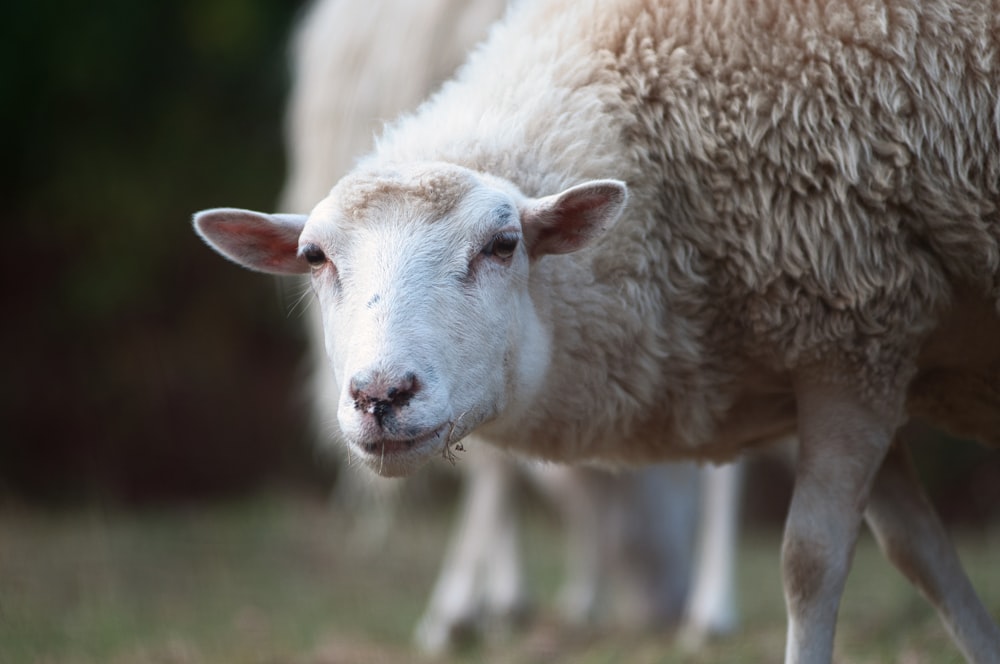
(284, 579)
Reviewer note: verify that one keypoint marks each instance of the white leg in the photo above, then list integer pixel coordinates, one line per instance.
(842, 443)
(912, 537)
(711, 609)
(455, 601)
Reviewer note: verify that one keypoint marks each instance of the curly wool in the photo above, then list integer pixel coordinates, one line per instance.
(808, 182)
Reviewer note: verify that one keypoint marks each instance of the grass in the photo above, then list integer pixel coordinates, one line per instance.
(284, 579)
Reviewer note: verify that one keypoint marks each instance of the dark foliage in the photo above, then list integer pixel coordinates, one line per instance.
(137, 365)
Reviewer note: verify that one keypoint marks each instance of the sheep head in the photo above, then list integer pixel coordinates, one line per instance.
(423, 275)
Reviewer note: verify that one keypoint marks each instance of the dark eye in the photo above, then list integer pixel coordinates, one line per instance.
(313, 255)
(502, 246)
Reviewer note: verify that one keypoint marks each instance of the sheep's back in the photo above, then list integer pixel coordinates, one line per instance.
(835, 166)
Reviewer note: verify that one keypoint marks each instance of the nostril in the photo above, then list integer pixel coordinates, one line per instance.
(379, 394)
(402, 392)
(358, 387)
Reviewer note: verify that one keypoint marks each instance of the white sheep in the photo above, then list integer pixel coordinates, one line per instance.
(630, 532)
(811, 244)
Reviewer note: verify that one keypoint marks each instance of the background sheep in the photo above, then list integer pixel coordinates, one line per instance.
(635, 529)
(813, 210)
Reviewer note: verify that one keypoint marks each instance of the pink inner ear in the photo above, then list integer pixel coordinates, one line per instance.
(258, 242)
(571, 220)
(262, 244)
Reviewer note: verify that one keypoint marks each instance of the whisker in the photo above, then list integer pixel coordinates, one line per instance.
(301, 302)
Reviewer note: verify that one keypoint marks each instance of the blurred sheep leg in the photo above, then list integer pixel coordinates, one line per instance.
(910, 534)
(712, 605)
(629, 549)
(628, 538)
(481, 576)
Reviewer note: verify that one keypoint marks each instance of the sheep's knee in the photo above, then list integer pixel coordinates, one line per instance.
(804, 570)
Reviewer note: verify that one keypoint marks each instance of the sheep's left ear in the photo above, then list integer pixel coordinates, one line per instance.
(257, 241)
(572, 219)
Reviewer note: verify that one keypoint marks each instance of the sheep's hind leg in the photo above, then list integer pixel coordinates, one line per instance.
(842, 442)
(912, 537)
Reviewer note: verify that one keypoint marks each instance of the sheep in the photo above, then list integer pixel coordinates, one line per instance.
(630, 232)
(346, 77)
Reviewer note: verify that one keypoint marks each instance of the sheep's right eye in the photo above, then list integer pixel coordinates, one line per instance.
(313, 255)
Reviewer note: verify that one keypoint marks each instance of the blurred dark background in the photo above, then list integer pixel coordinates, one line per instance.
(139, 367)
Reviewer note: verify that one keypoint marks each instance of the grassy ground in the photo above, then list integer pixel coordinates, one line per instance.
(277, 580)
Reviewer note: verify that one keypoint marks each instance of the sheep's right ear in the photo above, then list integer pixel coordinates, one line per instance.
(261, 242)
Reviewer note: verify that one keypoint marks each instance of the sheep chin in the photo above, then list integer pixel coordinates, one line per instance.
(400, 458)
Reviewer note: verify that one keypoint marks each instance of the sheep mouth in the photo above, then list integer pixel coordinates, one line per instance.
(391, 446)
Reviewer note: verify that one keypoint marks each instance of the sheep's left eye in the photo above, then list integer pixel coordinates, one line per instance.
(502, 246)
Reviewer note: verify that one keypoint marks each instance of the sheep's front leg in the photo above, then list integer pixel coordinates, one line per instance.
(842, 442)
(912, 537)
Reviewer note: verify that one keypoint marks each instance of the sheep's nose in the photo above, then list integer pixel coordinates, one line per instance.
(379, 394)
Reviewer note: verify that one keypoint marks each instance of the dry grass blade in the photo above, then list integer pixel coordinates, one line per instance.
(449, 450)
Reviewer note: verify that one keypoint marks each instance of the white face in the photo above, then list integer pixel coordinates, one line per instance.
(422, 275)
(427, 319)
